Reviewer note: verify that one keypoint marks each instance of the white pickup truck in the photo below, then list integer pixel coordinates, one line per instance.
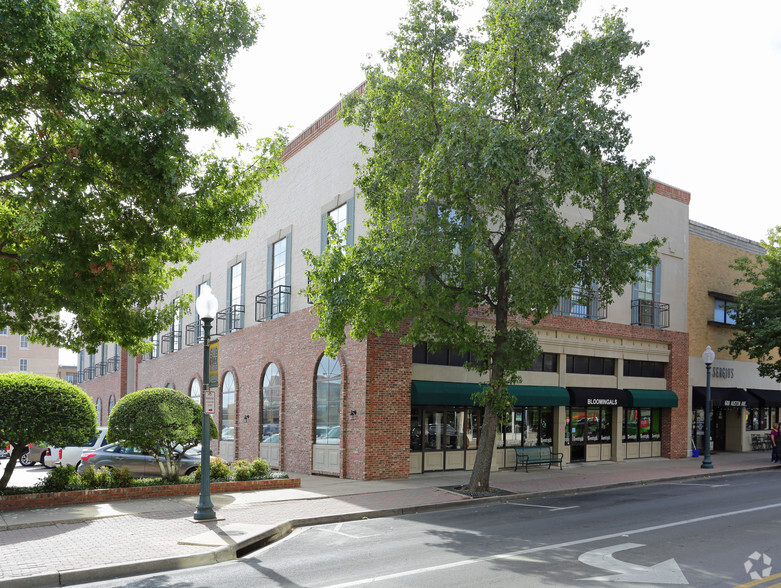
(61, 456)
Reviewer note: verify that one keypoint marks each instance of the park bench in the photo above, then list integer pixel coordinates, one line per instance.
(536, 455)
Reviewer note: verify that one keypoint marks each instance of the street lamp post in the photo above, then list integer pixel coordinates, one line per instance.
(206, 306)
(707, 357)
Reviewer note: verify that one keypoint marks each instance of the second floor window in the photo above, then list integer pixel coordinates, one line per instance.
(724, 311)
(3, 352)
(23, 342)
(22, 365)
(343, 217)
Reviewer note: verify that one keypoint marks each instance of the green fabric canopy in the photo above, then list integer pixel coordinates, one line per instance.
(460, 394)
(652, 398)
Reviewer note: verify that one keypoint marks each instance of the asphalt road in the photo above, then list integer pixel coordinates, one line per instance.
(698, 533)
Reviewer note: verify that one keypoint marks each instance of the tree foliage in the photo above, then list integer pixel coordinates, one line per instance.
(44, 410)
(758, 317)
(102, 202)
(158, 421)
(496, 182)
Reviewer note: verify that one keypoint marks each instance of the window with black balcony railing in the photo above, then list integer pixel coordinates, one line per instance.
(583, 303)
(170, 342)
(650, 313)
(272, 303)
(229, 319)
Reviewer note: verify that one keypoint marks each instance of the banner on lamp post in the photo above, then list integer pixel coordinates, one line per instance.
(210, 395)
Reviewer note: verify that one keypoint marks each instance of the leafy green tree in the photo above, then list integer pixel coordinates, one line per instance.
(758, 317)
(496, 182)
(102, 201)
(161, 422)
(44, 410)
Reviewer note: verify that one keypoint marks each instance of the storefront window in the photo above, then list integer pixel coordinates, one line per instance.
(630, 425)
(327, 402)
(228, 427)
(605, 425)
(415, 439)
(656, 425)
(270, 403)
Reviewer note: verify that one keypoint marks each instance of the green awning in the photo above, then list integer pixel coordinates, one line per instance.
(652, 398)
(540, 395)
(460, 394)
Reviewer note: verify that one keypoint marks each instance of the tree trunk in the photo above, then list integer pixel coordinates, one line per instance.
(481, 472)
(16, 453)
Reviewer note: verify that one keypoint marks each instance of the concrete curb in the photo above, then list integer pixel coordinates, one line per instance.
(273, 534)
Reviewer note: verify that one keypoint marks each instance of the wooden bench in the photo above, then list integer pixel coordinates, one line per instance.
(536, 455)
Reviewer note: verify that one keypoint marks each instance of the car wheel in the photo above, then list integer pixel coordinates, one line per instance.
(190, 471)
(25, 460)
(43, 462)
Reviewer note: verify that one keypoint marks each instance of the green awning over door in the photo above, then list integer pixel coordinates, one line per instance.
(460, 394)
(652, 398)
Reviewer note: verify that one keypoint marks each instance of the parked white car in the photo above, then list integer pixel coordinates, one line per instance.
(61, 456)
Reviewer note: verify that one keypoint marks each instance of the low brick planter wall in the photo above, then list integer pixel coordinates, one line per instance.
(27, 501)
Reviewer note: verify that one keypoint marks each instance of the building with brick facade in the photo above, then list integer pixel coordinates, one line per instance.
(744, 404)
(612, 383)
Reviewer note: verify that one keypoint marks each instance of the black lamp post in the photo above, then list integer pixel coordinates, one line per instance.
(707, 357)
(206, 306)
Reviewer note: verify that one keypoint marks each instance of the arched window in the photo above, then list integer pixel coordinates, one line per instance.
(99, 409)
(195, 391)
(110, 404)
(327, 401)
(228, 423)
(270, 404)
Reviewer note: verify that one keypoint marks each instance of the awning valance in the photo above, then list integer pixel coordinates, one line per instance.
(598, 397)
(769, 398)
(652, 398)
(724, 398)
(434, 393)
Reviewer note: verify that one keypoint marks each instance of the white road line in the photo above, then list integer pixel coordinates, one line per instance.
(698, 485)
(512, 554)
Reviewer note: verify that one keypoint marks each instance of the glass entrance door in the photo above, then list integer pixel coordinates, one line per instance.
(577, 428)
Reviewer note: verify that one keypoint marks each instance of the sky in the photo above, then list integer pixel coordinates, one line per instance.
(707, 110)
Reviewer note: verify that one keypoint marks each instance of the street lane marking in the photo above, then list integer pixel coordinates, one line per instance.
(698, 485)
(666, 572)
(762, 581)
(542, 506)
(515, 554)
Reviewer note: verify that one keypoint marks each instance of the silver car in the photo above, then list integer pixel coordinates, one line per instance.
(140, 464)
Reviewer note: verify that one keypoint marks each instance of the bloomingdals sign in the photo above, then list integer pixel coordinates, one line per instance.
(598, 397)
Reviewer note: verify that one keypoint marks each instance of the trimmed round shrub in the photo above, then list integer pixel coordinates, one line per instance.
(218, 470)
(121, 478)
(157, 420)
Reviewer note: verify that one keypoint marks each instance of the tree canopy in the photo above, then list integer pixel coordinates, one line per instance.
(758, 317)
(160, 421)
(44, 410)
(102, 201)
(496, 182)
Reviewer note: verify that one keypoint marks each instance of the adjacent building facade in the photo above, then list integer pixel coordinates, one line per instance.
(19, 354)
(744, 404)
(613, 382)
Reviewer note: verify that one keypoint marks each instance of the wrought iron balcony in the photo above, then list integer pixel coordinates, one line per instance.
(192, 333)
(170, 342)
(583, 303)
(272, 303)
(113, 363)
(229, 319)
(101, 368)
(649, 313)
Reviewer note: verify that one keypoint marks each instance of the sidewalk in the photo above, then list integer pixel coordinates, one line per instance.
(74, 544)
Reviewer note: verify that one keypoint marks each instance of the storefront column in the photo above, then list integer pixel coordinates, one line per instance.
(559, 424)
(617, 434)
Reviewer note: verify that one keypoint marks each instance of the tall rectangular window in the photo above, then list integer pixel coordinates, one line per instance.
(4, 331)
(23, 342)
(279, 274)
(236, 297)
(22, 365)
(3, 352)
(343, 217)
(176, 327)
